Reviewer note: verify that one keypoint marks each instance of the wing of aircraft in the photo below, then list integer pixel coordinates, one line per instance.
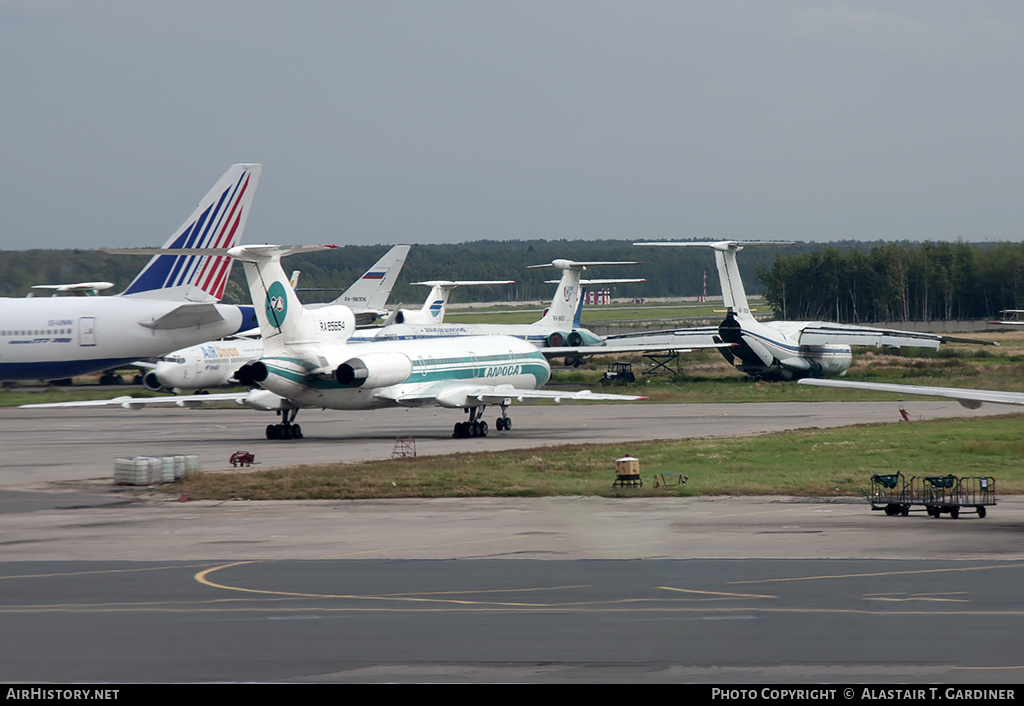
(820, 333)
(1010, 317)
(972, 399)
(79, 289)
(459, 395)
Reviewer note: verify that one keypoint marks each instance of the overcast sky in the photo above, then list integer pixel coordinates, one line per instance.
(426, 122)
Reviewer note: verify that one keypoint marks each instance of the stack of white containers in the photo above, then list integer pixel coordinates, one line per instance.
(147, 470)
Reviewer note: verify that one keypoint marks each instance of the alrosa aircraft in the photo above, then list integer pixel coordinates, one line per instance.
(308, 362)
(214, 364)
(784, 350)
(170, 304)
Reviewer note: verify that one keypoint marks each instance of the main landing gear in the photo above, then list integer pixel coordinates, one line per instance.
(475, 426)
(286, 429)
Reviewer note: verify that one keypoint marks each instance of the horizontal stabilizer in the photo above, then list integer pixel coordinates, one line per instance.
(185, 316)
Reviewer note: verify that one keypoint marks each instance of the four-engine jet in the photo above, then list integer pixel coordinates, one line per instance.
(784, 350)
(170, 304)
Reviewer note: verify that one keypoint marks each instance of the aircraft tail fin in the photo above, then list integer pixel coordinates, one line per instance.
(278, 309)
(733, 295)
(436, 303)
(371, 291)
(566, 304)
(216, 223)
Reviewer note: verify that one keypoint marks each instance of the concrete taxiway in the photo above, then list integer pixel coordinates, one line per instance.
(102, 585)
(47, 445)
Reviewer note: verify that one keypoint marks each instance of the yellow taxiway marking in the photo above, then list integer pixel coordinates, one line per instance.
(202, 577)
(103, 571)
(1016, 565)
(900, 597)
(719, 594)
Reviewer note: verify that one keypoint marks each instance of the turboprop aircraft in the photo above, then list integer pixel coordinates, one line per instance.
(170, 304)
(214, 364)
(308, 362)
(784, 350)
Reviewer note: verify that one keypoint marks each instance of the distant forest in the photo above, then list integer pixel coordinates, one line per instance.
(847, 281)
(896, 282)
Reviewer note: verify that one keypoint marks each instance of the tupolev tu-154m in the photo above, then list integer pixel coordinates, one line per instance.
(308, 362)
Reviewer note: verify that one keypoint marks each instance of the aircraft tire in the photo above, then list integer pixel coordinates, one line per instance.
(271, 431)
(483, 428)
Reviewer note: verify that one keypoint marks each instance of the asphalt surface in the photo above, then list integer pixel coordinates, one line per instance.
(103, 585)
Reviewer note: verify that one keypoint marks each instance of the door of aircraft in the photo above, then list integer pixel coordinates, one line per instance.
(87, 331)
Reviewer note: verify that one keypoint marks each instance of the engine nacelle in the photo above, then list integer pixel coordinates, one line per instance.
(151, 382)
(252, 374)
(414, 316)
(374, 370)
(582, 337)
(556, 339)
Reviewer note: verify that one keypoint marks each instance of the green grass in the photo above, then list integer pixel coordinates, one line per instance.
(829, 462)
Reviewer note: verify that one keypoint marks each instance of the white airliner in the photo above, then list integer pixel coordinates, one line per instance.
(557, 334)
(784, 350)
(971, 399)
(171, 303)
(214, 364)
(368, 295)
(433, 309)
(308, 362)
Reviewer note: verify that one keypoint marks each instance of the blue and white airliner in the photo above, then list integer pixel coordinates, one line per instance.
(172, 303)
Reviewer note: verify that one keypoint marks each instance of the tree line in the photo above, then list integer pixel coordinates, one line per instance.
(847, 281)
(930, 281)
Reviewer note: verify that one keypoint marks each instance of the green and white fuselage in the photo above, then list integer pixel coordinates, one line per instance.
(447, 372)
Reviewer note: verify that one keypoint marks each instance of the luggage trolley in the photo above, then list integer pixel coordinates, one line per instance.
(890, 493)
(947, 494)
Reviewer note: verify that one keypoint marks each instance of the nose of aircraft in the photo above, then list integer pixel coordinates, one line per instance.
(169, 374)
